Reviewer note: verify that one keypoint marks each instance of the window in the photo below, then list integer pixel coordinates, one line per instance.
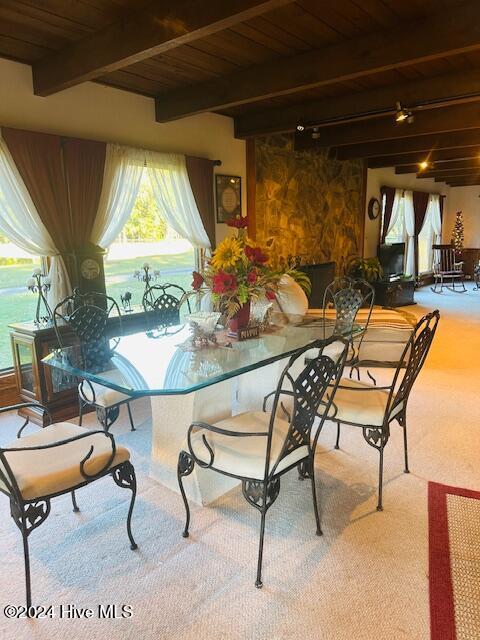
(17, 304)
(397, 232)
(146, 237)
(425, 254)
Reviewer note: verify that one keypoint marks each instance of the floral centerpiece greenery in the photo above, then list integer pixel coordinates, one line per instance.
(240, 271)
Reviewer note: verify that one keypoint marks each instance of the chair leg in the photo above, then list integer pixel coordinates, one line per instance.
(380, 480)
(258, 581)
(185, 467)
(337, 442)
(80, 411)
(26, 557)
(124, 476)
(27, 517)
(377, 437)
(74, 502)
(405, 447)
(130, 416)
(314, 496)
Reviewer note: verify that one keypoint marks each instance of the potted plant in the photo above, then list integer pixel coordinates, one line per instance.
(368, 269)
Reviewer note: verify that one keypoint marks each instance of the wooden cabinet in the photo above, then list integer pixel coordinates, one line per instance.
(395, 294)
(51, 387)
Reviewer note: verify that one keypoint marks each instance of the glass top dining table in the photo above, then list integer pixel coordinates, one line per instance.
(161, 362)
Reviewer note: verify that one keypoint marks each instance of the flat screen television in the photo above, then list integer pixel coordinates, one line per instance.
(392, 259)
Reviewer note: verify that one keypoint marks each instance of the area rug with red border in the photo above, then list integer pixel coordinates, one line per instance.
(454, 562)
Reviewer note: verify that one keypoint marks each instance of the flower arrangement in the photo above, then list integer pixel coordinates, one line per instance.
(239, 271)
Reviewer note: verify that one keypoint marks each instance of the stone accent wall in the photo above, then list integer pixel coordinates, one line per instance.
(309, 204)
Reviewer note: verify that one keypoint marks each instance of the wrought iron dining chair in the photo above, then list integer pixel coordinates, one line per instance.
(447, 269)
(53, 461)
(373, 408)
(258, 448)
(345, 296)
(87, 314)
(162, 304)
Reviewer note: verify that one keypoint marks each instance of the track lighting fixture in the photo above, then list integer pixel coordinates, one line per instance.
(402, 114)
(315, 133)
(300, 128)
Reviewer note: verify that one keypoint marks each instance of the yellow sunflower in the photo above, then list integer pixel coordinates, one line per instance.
(227, 253)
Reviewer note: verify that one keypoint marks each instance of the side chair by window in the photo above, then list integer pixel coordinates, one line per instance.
(87, 316)
(162, 303)
(447, 269)
(258, 447)
(373, 408)
(53, 461)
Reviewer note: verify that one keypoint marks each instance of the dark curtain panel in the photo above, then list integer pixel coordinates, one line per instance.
(38, 157)
(442, 202)
(84, 162)
(389, 193)
(420, 202)
(200, 174)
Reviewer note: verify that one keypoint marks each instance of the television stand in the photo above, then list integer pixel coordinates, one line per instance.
(396, 293)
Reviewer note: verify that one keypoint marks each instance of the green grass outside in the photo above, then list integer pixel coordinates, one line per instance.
(20, 306)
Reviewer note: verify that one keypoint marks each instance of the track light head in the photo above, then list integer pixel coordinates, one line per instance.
(300, 128)
(402, 114)
(315, 133)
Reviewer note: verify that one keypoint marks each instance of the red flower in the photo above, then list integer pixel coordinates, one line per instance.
(270, 295)
(238, 222)
(197, 280)
(224, 282)
(255, 254)
(252, 276)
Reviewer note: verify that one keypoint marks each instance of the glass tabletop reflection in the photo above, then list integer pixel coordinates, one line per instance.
(161, 362)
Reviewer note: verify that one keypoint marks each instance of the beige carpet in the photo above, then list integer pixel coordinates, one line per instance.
(365, 579)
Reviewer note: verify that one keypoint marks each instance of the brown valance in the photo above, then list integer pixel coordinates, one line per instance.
(200, 175)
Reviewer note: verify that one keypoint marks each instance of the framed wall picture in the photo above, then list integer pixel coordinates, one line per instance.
(228, 197)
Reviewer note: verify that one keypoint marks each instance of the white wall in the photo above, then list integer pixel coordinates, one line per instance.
(466, 200)
(377, 178)
(103, 113)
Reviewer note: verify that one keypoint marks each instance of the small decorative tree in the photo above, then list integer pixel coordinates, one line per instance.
(458, 233)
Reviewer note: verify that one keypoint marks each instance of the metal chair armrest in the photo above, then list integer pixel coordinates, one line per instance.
(60, 443)
(22, 405)
(225, 432)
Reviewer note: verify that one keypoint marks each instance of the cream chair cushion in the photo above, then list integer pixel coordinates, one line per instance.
(47, 471)
(104, 396)
(246, 456)
(358, 405)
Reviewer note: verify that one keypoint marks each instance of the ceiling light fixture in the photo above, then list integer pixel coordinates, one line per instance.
(315, 133)
(423, 165)
(300, 126)
(402, 114)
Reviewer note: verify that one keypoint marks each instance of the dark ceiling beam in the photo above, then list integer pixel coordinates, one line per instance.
(447, 32)
(454, 88)
(464, 183)
(160, 27)
(442, 167)
(449, 174)
(456, 118)
(465, 176)
(408, 145)
(421, 156)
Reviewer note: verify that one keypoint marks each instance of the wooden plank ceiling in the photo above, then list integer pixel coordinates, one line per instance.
(338, 68)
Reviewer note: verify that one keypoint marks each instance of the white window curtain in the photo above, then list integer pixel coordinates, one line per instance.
(397, 200)
(431, 233)
(20, 223)
(173, 194)
(121, 182)
(409, 217)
